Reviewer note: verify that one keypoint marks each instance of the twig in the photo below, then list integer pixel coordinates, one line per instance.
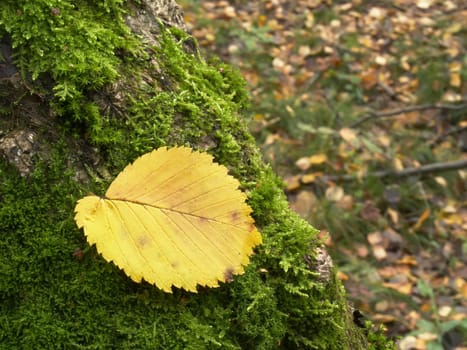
(394, 112)
(424, 169)
(442, 137)
(390, 91)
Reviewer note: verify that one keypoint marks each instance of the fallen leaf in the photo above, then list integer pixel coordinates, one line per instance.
(303, 203)
(303, 163)
(424, 4)
(375, 238)
(455, 80)
(292, 182)
(449, 209)
(318, 158)
(412, 318)
(362, 250)
(309, 178)
(394, 215)
(350, 136)
(397, 164)
(379, 252)
(382, 306)
(444, 310)
(461, 286)
(428, 336)
(334, 193)
(407, 260)
(407, 343)
(173, 218)
(392, 194)
(384, 140)
(278, 64)
(451, 96)
(346, 202)
(404, 288)
(381, 60)
(425, 215)
(369, 78)
(384, 318)
(441, 181)
(342, 276)
(370, 211)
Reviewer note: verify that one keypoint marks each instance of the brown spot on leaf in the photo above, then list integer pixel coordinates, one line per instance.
(228, 275)
(235, 216)
(143, 241)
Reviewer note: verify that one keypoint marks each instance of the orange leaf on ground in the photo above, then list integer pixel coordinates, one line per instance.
(309, 178)
(425, 215)
(404, 288)
(292, 182)
(318, 158)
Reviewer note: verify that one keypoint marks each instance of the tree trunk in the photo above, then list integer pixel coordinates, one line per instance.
(85, 89)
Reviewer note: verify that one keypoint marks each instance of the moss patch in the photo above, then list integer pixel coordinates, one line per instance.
(57, 292)
(75, 42)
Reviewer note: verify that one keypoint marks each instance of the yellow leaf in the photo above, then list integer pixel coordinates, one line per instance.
(318, 158)
(455, 79)
(309, 178)
(172, 218)
(394, 215)
(292, 182)
(397, 164)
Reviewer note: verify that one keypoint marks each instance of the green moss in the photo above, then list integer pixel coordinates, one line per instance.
(75, 41)
(57, 292)
(78, 46)
(53, 298)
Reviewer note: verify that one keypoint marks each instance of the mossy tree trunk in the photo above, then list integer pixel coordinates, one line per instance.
(86, 88)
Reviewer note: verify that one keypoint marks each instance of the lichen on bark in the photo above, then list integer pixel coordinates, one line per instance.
(91, 112)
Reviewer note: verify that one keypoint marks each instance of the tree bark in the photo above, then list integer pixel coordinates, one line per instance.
(68, 129)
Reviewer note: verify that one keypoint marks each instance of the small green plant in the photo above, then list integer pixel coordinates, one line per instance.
(436, 327)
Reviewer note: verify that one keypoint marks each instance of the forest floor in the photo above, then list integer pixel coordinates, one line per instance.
(361, 106)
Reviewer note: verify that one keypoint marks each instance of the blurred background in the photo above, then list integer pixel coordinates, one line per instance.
(361, 106)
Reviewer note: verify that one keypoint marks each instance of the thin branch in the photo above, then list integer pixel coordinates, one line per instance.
(422, 170)
(395, 112)
(442, 137)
